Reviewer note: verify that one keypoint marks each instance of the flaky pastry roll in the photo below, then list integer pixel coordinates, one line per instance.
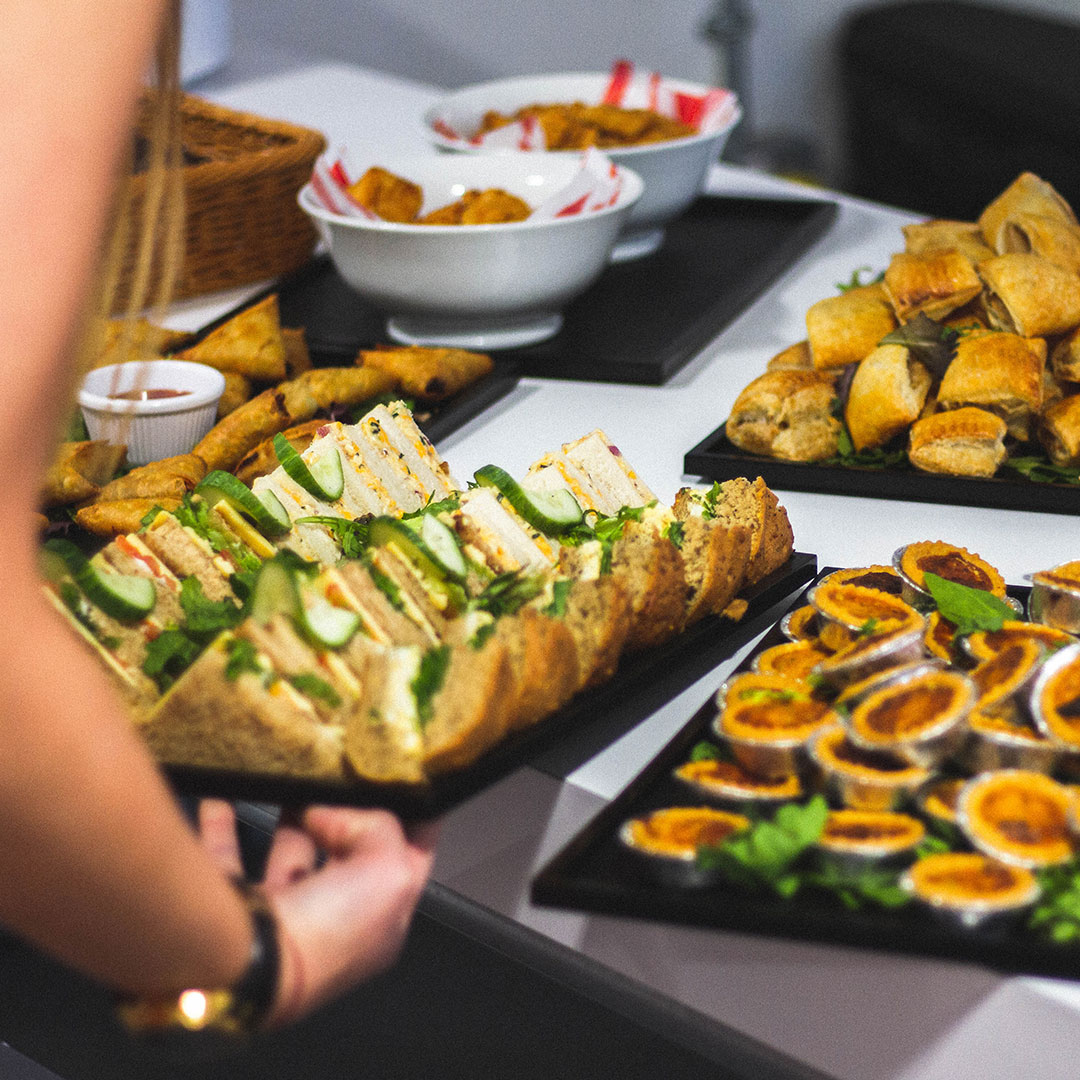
(961, 442)
(1029, 295)
(1027, 194)
(786, 414)
(941, 234)
(887, 395)
(935, 282)
(1058, 430)
(843, 329)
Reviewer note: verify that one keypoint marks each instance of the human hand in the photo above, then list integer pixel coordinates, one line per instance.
(341, 922)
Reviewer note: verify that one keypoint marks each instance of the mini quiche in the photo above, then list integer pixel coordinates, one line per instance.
(728, 782)
(863, 609)
(983, 644)
(969, 888)
(793, 659)
(1017, 816)
(915, 561)
(668, 840)
(863, 779)
(999, 678)
(1055, 597)
(856, 837)
(1054, 701)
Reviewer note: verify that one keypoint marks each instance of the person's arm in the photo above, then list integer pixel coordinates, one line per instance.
(97, 865)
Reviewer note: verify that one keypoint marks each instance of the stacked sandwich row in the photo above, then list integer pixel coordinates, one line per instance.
(358, 613)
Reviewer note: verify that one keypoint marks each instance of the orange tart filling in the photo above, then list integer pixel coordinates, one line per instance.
(882, 578)
(1002, 724)
(678, 831)
(862, 609)
(985, 643)
(952, 563)
(1002, 674)
(939, 799)
(835, 751)
(1017, 816)
(911, 707)
(959, 878)
(1066, 576)
(801, 624)
(939, 636)
(726, 777)
(794, 659)
(1059, 704)
(771, 708)
(876, 830)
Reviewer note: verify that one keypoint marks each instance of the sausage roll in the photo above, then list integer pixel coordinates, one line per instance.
(887, 395)
(1065, 358)
(786, 414)
(843, 329)
(795, 357)
(962, 442)
(925, 237)
(1055, 240)
(1029, 295)
(936, 283)
(1002, 373)
(1059, 431)
(1027, 194)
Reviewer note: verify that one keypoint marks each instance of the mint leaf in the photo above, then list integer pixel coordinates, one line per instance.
(967, 608)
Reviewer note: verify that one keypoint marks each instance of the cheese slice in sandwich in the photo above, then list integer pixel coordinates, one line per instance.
(383, 739)
(230, 711)
(487, 522)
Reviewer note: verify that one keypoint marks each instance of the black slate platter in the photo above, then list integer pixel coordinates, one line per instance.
(595, 873)
(661, 672)
(639, 323)
(717, 458)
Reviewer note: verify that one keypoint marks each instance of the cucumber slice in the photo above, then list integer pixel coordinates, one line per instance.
(125, 597)
(267, 514)
(552, 512)
(276, 592)
(325, 478)
(431, 550)
(327, 626)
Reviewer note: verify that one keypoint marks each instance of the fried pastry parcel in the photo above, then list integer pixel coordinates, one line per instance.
(577, 126)
(493, 206)
(428, 373)
(393, 198)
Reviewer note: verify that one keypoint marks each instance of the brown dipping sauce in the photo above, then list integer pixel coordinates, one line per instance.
(156, 394)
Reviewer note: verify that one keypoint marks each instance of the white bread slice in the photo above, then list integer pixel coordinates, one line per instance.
(350, 584)
(417, 453)
(487, 522)
(387, 463)
(208, 719)
(554, 471)
(383, 741)
(608, 472)
(469, 713)
(365, 490)
(311, 541)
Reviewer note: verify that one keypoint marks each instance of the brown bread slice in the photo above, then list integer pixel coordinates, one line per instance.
(470, 711)
(715, 557)
(597, 614)
(351, 584)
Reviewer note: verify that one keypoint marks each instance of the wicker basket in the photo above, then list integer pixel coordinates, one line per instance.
(241, 178)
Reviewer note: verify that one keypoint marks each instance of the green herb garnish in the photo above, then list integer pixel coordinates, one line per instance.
(966, 608)
(429, 680)
(351, 535)
(1042, 471)
(675, 531)
(856, 281)
(1057, 913)
(560, 591)
(931, 343)
(507, 593)
(706, 751)
(314, 686)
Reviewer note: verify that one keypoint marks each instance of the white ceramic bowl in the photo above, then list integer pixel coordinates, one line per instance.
(674, 172)
(155, 428)
(475, 286)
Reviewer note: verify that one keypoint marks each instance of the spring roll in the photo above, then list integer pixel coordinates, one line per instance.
(237, 390)
(1029, 295)
(297, 357)
(78, 471)
(119, 341)
(120, 517)
(172, 477)
(339, 386)
(262, 460)
(249, 343)
(243, 429)
(843, 329)
(431, 374)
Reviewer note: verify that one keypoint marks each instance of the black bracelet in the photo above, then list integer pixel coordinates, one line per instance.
(237, 1010)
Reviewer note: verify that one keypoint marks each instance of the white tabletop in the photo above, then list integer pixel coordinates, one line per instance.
(852, 1013)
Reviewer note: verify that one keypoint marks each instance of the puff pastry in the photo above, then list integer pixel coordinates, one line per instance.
(935, 282)
(1059, 431)
(887, 394)
(943, 235)
(843, 329)
(1027, 194)
(795, 357)
(1029, 295)
(1065, 358)
(786, 414)
(1000, 372)
(963, 442)
(1053, 239)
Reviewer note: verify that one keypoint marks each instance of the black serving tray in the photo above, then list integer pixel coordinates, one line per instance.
(717, 458)
(639, 323)
(664, 671)
(595, 873)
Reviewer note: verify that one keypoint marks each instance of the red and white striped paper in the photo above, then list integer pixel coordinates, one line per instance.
(709, 112)
(595, 186)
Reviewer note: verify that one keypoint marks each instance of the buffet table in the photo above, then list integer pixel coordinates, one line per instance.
(761, 1005)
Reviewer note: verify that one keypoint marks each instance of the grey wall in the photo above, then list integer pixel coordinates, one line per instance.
(792, 83)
